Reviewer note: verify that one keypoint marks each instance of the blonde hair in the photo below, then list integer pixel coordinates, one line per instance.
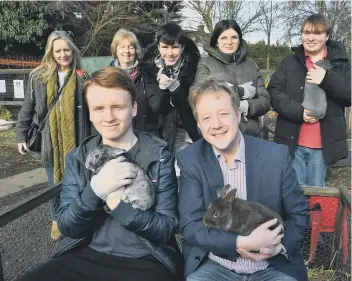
(121, 35)
(48, 65)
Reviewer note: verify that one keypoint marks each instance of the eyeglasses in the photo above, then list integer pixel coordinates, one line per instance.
(305, 32)
(130, 48)
(226, 39)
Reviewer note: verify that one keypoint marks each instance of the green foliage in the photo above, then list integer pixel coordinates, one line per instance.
(22, 21)
(152, 14)
(257, 52)
(4, 113)
(25, 25)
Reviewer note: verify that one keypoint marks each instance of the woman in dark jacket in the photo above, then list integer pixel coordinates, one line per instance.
(168, 69)
(228, 60)
(68, 122)
(126, 50)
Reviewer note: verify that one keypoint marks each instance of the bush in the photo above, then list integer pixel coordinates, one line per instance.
(4, 113)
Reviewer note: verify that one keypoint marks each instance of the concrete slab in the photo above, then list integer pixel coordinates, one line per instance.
(22, 181)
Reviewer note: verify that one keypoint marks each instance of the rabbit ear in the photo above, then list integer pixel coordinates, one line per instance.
(230, 196)
(224, 191)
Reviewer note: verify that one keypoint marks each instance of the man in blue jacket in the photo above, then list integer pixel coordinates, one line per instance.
(108, 239)
(261, 171)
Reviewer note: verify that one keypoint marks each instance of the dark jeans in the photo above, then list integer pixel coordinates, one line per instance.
(54, 202)
(89, 265)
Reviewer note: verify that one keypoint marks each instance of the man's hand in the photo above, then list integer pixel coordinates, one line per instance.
(308, 116)
(264, 253)
(316, 74)
(261, 237)
(167, 83)
(114, 175)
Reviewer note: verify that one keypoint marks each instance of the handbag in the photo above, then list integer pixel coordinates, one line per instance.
(34, 135)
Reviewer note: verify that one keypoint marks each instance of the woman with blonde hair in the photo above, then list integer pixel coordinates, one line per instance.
(54, 104)
(126, 50)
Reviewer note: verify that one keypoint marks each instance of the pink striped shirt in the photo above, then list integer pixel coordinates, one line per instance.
(235, 176)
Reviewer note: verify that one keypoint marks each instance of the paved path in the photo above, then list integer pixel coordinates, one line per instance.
(22, 181)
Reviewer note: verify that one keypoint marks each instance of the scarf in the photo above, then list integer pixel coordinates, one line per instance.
(132, 70)
(159, 62)
(229, 58)
(61, 122)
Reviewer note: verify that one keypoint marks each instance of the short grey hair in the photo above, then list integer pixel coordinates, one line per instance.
(213, 85)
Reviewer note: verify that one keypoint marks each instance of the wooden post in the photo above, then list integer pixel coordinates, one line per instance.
(348, 118)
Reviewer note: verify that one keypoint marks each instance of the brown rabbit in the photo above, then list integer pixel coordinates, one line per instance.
(232, 214)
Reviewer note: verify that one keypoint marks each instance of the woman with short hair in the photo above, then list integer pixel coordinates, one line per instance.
(126, 50)
(68, 122)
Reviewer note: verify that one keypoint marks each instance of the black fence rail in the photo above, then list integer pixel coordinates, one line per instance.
(25, 240)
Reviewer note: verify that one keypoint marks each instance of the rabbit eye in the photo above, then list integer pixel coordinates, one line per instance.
(216, 215)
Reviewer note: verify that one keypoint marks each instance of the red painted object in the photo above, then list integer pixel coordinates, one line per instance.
(324, 221)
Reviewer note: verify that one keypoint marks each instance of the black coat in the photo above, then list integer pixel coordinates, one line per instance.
(155, 114)
(286, 91)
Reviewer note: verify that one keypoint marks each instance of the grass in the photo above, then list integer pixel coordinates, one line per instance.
(8, 133)
(321, 274)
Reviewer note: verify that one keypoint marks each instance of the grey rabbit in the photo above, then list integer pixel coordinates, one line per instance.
(314, 96)
(232, 214)
(140, 193)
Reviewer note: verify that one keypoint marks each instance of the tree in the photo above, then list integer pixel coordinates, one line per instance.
(206, 10)
(26, 25)
(338, 13)
(153, 14)
(268, 21)
(93, 23)
(257, 51)
(26, 22)
(245, 13)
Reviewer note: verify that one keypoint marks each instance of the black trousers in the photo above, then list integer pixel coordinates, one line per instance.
(89, 265)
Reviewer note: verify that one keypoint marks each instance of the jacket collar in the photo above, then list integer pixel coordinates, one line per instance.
(213, 52)
(254, 168)
(336, 51)
(150, 147)
(191, 55)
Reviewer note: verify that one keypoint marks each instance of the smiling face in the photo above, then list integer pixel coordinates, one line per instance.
(218, 120)
(313, 39)
(170, 53)
(62, 53)
(126, 53)
(111, 111)
(228, 41)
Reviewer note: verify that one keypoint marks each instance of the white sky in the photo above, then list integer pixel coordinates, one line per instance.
(192, 20)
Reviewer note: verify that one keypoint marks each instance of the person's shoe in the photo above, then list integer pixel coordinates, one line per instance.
(55, 232)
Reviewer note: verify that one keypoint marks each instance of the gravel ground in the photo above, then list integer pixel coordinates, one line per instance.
(13, 163)
(26, 242)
